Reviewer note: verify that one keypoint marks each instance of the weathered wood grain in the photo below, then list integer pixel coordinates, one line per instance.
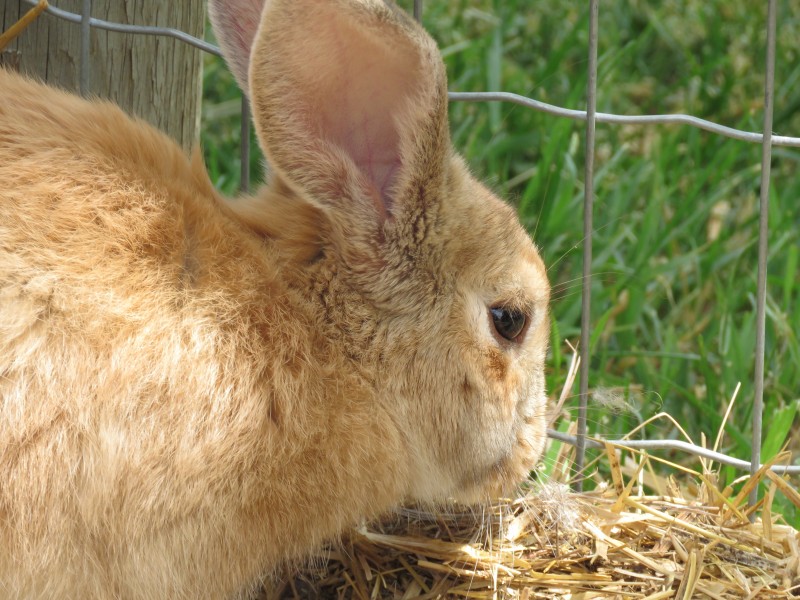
(156, 78)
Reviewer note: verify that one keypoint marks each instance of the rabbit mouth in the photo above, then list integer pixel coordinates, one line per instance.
(504, 475)
(497, 480)
(500, 477)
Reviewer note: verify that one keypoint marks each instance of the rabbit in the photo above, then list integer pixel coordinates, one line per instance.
(197, 390)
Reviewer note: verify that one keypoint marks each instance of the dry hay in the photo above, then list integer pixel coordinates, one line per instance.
(641, 535)
(613, 542)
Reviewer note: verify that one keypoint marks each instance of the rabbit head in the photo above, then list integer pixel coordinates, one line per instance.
(432, 288)
(194, 390)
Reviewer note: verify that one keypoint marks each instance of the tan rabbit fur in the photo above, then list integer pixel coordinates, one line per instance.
(195, 389)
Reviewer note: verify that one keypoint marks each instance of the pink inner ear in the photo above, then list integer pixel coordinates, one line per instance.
(362, 86)
(235, 23)
(361, 122)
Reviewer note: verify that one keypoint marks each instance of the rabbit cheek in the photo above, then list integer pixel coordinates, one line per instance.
(515, 410)
(496, 364)
(533, 420)
(504, 384)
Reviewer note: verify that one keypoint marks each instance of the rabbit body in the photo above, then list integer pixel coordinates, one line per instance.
(195, 389)
(150, 349)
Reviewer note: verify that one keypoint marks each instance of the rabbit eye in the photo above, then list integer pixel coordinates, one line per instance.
(509, 323)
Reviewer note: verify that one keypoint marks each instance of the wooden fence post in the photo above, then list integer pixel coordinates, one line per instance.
(156, 78)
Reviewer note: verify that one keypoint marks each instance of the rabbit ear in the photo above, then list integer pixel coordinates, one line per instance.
(235, 23)
(350, 102)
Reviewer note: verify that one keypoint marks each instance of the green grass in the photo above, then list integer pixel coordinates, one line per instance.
(673, 292)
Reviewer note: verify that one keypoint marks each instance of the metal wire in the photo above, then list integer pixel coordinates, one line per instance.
(137, 29)
(766, 139)
(763, 232)
(85, 75)
(588, 227)
(244, 179)
(742, 465)
(579, 115)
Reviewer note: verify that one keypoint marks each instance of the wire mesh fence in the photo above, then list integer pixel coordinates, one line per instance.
(591, 117)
